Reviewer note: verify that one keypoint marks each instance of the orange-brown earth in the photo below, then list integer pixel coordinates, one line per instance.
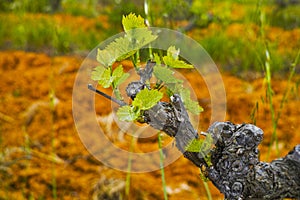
(42, 155)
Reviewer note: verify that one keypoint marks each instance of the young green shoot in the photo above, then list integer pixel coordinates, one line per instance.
(202, 147)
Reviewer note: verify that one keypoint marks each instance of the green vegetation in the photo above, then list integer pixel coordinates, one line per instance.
(128, 46)
(145, 100)
(50, 35)
(228, 30)
(269, 61)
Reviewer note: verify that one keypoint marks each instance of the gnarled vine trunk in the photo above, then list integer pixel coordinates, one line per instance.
(235, 167)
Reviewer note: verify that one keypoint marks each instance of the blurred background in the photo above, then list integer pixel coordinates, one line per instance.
(231, 31)
(254, 43)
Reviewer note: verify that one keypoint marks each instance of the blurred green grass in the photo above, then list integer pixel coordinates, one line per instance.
(228, 30)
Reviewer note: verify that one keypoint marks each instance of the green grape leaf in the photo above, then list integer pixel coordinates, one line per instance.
(119, 76)
(165, 74)
(194, 107)
(207, 143)
(97, 73)
(194, 145)
(201, 146)
(173, 52)
(118, 49)
(175, 88)
(171, 62)
(106, 80)
(121, 79)
(191, 105)
(105, 57)
(118, 72)
(146, 99)
(139, 37)
(136, 36)
(127, 113)
(132, 21)
(124, 47)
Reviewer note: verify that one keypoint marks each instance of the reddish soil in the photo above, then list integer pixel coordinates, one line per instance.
(41, 153)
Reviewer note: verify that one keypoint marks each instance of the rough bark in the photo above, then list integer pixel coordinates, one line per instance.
(235, 170)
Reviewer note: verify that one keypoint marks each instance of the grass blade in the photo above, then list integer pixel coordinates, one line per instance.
(161, 162)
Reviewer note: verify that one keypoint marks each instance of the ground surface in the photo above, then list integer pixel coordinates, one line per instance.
(42, 155)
